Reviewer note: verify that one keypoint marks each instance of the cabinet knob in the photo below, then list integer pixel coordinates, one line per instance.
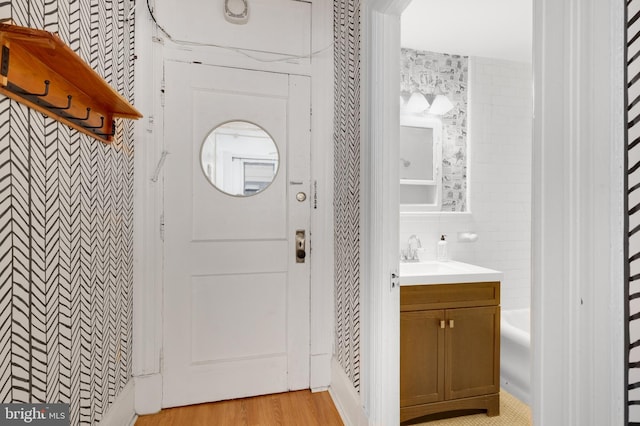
(442, 324)
(451, 323)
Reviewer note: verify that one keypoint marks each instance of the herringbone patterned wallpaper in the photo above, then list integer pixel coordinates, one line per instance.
(347, 186)
(66, 207)
(633, 185)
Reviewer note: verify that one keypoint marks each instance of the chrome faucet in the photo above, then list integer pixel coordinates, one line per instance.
(410, 254)
(414, 241)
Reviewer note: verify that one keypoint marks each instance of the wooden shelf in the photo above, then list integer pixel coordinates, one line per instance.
(39, 70)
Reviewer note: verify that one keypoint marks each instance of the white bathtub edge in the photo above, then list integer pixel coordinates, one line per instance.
(515, 351)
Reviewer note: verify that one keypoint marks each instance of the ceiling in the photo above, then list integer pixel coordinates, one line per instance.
(489, 28)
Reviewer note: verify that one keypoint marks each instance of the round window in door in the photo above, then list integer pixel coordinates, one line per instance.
(239, 158)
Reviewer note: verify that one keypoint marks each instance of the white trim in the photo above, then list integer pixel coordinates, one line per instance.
(380, 346)
(121, 412)
(345, 397)
(617, 179)
(148, 393)
(547, 266)
(322, 226)
(320, 372)
(147, 252)
(576, 335)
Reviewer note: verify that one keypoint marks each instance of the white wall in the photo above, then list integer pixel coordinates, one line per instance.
(500, 134)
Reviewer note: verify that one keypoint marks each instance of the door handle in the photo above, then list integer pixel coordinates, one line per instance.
(301, 251)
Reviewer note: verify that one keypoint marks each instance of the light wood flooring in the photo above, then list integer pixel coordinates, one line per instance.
(291, 408)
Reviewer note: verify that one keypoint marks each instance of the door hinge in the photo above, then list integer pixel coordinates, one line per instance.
(162, 227)
(151, 120)
(162, 86)
(315, 194)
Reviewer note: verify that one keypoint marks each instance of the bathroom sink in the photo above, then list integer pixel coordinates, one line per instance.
(435, 272)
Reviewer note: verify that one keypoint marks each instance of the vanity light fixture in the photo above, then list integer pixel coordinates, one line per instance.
(440, 104)
(427, 104)
(417, 103)
(236, 11)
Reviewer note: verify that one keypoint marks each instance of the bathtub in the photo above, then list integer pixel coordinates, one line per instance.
(515, 353)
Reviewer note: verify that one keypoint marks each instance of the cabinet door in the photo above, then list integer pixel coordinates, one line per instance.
(472, 341)
(421, 357)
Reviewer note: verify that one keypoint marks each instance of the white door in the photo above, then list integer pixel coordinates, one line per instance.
(236, 299)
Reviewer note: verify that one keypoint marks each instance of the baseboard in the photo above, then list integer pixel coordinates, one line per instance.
(320, 377)
(148, 394)
(122, 411)
(346, 398)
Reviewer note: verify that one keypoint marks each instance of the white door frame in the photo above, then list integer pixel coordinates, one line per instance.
(380, 378)
(152, 50)
(577, 288)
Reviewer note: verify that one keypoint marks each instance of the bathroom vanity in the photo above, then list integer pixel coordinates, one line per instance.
(449, 339)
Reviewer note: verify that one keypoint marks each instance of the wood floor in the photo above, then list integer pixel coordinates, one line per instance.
(301, 408)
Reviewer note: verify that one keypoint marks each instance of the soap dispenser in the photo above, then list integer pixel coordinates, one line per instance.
(442, 254)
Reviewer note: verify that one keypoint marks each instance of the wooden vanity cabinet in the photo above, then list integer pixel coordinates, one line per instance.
(449, 348)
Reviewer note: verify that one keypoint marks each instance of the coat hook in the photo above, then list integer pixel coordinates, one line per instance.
(96, 127)
(82, 118)
(113, 130)
(45, 93)
(69, 97)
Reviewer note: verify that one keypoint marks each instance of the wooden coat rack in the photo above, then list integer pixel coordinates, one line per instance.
(39, 70)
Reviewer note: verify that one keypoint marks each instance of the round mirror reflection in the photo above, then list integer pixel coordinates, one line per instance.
(239, 158)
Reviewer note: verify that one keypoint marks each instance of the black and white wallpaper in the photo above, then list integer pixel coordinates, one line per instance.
(633, 203)
(442, 73)
(66, 214)
(347, 186)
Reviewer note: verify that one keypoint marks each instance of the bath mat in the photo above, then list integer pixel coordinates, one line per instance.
(513, 412)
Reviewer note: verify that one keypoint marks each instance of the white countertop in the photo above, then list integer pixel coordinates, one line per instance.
(436, 272)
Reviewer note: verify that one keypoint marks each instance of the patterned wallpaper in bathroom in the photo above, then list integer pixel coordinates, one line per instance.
(66, 235)
(430, 72)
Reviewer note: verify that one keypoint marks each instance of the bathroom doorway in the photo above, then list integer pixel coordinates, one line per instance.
(569, 359)
(487, 135)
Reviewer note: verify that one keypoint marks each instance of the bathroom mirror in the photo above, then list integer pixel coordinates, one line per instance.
(239, 158)
(420, 163)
